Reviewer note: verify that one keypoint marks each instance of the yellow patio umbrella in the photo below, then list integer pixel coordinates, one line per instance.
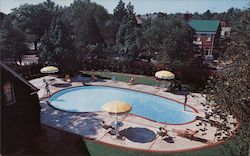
(49, 70)
(164, 74)
(117, 108)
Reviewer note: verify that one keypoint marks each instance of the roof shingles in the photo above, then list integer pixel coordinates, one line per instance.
(205, 25)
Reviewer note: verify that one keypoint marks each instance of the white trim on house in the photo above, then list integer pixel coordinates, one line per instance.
(205, 32)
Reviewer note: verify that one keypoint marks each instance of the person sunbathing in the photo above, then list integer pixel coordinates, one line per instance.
(188, 133)
(132, 80)
(93, 77)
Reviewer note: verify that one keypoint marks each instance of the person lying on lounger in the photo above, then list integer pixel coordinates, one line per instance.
(187, 133)
(132, 80)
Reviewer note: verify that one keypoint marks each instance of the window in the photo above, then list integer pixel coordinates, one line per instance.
(209, 36)
(227, 33)
(9, 93)
(206, 51)
(198, 37)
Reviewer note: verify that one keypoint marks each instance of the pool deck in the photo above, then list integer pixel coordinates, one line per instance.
(141, 133)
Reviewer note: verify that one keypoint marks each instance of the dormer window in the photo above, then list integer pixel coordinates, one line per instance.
(9, 95)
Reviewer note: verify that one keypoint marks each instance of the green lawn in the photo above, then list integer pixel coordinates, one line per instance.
(139, 79)
(98, 149)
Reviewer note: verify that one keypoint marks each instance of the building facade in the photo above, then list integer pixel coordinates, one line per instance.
(207, 36)
(20, 112)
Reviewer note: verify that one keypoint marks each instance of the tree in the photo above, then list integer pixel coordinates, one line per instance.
(196, 16)
(120, 11)
(86, 22)
(129, 38)
(93, 32)
(230, 91)
(154, 34)
(207, 15)
(56, 46)
(34, 19)
(178, 44)
(12, 41)
(84, 18)
(127, 34)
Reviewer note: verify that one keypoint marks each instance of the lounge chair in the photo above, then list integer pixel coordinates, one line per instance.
(190, 134)
(121, 136)
(113, 132)
(187, 133)
(85, 84)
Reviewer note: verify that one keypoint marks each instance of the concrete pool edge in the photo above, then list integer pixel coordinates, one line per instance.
(209, 146)
(124, 149)
(236, 130)
(195, 110)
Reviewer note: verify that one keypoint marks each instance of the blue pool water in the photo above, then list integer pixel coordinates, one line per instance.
(91, 99)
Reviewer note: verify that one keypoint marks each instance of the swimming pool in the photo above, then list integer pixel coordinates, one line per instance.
(152, 107)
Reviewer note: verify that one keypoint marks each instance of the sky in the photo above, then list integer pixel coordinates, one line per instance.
(147, 6)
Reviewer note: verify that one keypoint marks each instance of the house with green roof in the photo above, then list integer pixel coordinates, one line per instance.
(207, 36)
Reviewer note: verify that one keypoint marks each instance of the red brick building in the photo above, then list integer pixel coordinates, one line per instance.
(207, 36)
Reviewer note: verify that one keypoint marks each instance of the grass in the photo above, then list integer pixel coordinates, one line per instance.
(139, 79)
(97, 149)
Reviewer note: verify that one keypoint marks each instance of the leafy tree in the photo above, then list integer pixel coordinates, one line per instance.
(12, 41)
(56, 46)
(234, 14)
(87, 22)
(128, 34)
(101, 16)
(196, 16)
(178, 44)
(230, 91)
(120, 11)
(207, 15)
(133, 43)
(154, 34)
(34, 19)
(129, 38)
(93, 31)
